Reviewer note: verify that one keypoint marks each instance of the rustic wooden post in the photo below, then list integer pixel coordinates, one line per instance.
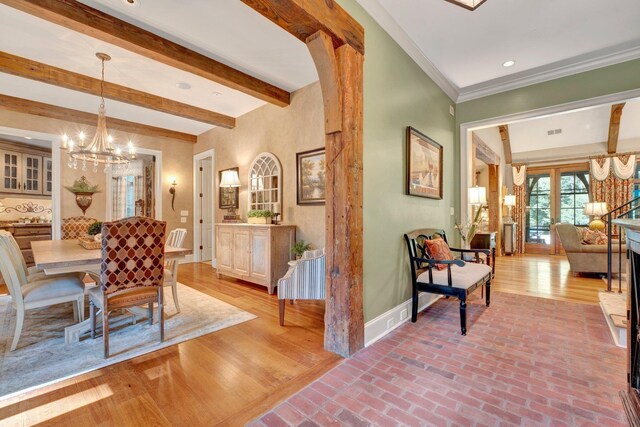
(344, 319)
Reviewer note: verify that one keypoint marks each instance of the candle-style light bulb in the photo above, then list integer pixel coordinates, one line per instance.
(81, 136)
(65, 141)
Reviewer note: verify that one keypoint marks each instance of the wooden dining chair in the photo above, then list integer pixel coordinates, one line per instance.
(175, 239)
(131, 271)
(28, 293)
(76, 226)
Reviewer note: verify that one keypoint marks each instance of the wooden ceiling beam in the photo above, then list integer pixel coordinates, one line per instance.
(303, 18)
(614, 127)
(42, 109)
(506, 143)
(483, 152)
(23, 67)
(89, 21)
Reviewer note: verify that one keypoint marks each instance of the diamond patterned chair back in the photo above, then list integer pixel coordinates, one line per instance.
(76, 226)
(132, 254)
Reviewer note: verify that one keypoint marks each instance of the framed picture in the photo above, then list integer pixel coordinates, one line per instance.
(312, 170)
(424, 165)
(228, 195)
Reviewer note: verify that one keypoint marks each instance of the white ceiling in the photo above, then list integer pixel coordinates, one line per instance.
(579, 128)
(225, 30)
(464, 50)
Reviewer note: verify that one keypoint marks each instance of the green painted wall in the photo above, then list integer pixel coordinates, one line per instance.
(590, 84)
(397, 94)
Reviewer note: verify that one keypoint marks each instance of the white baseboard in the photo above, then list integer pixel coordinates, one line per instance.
(186, 260)
(377, 328)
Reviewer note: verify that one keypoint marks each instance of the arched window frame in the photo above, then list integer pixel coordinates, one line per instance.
(265, 182)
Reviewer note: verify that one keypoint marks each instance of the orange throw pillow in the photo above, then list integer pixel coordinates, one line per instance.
(438, 249)
(594, 237)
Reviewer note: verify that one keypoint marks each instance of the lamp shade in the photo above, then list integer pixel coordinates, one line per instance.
(230, 178)
(510, 200)
(595, 208)
(477, 195)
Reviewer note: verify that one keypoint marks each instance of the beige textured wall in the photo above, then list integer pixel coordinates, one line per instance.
(283, 132)
(177, 160)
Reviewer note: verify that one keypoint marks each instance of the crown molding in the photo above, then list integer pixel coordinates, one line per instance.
(556, 70)
(384, 19)
(575, 65)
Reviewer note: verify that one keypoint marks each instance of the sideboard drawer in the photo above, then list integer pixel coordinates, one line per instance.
(28, 257)
(32, 231)
(24, 242)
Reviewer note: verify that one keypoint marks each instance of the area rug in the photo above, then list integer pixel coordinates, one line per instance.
(43, 357)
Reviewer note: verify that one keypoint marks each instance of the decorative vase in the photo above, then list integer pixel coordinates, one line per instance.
(83, 200)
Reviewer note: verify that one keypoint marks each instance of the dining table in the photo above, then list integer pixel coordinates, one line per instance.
(68, 256)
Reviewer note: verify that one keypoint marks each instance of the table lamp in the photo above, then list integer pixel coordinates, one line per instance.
(596, 210)
(509, 202)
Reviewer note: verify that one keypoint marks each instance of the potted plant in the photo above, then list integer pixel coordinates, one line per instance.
(95, 230)
(299, 248)
(84, 193)
(258, 216)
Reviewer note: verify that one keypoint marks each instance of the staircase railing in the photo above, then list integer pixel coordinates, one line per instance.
(610, 217)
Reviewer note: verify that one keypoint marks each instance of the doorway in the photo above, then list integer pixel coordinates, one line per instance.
(554, 194)
(203, 205)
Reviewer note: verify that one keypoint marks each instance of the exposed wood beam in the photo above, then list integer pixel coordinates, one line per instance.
(41, 109)
(23, 67)
(483, 151)
(303, 18)
(324, 57)
(506, 143)
(94, 23)
(614, 127)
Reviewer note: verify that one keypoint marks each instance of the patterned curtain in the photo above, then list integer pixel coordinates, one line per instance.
(119, 208)
(612, 190)
(520, 211)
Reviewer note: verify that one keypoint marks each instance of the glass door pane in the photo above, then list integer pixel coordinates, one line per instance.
(574, 193)
(539, 217)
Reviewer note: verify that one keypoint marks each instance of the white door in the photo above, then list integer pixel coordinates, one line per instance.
(206, 210)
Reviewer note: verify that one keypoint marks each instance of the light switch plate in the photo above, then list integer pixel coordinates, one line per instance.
(452, 211)
(183, 219)
(184, 213)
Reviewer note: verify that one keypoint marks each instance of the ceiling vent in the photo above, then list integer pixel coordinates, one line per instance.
(554, 131)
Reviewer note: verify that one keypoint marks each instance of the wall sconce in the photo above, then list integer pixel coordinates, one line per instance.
(172, 191)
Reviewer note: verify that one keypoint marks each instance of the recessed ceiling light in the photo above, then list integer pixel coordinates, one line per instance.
(509, 63)
(132, 3)
(216, 93)
(183, 85)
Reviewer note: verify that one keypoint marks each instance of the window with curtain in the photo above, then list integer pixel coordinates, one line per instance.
(538, 209)
(128, 186)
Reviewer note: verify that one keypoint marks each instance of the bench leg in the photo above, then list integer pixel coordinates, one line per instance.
(414, 306)
(488, 300)
(463, 316)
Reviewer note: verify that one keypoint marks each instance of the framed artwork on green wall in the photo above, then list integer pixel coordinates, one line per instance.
(424, 165)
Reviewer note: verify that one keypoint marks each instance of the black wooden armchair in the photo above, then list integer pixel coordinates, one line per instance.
(459, 279)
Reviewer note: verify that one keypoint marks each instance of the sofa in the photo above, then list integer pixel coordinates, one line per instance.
(585, 258)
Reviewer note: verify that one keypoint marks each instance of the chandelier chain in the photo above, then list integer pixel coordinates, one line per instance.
(102, 85)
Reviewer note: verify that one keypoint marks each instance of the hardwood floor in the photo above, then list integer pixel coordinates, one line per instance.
(231, 376)
(546, 276)
(225, 378)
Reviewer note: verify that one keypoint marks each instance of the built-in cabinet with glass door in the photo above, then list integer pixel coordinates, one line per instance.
(554, 194)
(25, 170)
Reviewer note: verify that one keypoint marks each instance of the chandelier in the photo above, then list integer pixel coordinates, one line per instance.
(468, 4)
(101, 149)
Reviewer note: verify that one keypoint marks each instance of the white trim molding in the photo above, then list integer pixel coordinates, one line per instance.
(376, 329)
(196, 213)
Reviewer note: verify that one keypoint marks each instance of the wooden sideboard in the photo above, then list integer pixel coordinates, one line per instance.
(254, 253)
(25, 234)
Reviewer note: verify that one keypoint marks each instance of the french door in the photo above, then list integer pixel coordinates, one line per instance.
(556, 194)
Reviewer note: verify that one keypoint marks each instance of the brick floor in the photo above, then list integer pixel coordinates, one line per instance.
(525, 361)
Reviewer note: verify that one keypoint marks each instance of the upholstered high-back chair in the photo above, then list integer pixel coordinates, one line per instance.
(175, 239)
(131, 272)
(76, 226)
(28, 293)
(304, 280)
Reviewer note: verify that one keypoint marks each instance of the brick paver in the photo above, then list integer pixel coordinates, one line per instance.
(525, 361)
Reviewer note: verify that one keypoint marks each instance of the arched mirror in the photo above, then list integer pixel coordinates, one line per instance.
(265, 183)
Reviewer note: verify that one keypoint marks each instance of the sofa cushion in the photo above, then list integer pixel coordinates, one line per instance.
(461, 277)
(438, 249)
(593, 237)
(603, 248)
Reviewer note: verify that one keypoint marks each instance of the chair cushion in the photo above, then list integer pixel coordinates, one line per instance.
(461, 277)
(33, 274)
(50, 288)
(131, 297)
(438, 249)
